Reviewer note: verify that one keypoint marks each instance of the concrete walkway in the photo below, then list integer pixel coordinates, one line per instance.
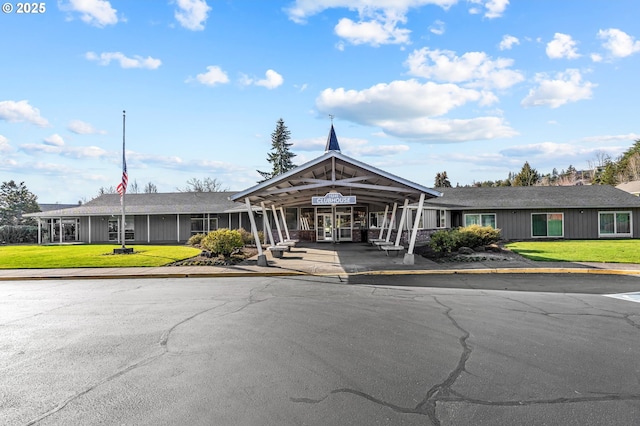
(332, 259)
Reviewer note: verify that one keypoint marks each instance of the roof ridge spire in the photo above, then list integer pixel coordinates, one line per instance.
(332, 140)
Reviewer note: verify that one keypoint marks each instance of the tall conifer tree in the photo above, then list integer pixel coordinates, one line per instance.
(280, 155)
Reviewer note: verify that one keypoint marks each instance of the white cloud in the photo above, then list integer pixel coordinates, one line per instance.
(81, 128)
(406, 109)
(494, 8)
(566, 87)
(371, 150)
(213, 76)
(300, 10)
(629, 137)
(545, 149)
(449, 130)
(136, 61)
(562, 46)
(437, 28)
(192, 14)
(378, 20)
(54, 140)
(507, 42)
(596, 57)
(354, 147)
(375, 32)
(98, 13)
(618, 43)
(4, 144)
(55, 145)
(398, 99)
(16, 112)
(271, 81)
(475, 69)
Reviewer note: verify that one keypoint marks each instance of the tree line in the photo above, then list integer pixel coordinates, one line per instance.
(603, 170)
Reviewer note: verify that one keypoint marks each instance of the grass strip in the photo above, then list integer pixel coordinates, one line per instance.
(605, 251)
(90, 256)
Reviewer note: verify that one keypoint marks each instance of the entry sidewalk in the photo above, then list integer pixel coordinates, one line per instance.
(331, 260)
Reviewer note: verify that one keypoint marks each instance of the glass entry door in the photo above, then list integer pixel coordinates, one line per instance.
(343, 226)
(334, 224)
(325, 227)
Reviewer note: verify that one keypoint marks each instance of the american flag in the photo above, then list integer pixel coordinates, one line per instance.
(122, 186)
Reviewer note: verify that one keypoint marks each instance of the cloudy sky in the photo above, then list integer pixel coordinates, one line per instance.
(471, 87)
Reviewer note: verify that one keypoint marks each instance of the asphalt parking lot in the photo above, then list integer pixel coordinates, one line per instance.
(317, 350)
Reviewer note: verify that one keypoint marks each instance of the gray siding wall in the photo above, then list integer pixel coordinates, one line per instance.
(578, 223)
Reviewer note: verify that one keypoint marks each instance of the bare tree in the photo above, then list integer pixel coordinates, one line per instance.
(205, 185)
(106, 190)
(133, 188)
(150, 188)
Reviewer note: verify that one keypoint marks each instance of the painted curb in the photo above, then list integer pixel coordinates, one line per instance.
(328, 274)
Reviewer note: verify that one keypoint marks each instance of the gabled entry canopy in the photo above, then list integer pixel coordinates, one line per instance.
(334, 172)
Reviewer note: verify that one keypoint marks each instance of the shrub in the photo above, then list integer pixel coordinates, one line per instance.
(195, 240)
(479, 235)
(446, 241)
(222, 242)
(247, 236)
(11, 234)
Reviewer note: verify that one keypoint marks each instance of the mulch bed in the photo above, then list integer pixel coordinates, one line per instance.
(235, 259)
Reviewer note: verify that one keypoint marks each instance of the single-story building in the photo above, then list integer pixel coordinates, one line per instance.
(335, 198)
(149, 218)
(530, 212)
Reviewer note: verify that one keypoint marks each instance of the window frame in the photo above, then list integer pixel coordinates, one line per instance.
(615, 233)
(480, 221)
(547, 214)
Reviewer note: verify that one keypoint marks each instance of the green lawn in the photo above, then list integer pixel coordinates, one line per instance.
(90, 256)
(614, 251)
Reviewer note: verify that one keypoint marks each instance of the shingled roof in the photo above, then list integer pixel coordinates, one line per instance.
(534, 197)
(158, 203)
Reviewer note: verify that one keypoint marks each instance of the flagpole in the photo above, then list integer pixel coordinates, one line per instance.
(124, 165)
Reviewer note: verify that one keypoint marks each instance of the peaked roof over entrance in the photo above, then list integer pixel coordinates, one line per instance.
(334, 172)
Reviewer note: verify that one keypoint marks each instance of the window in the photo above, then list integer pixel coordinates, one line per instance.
(203, 223)
(547, 225)
(307, 218)
(291, 214)
(441, 218)
(114, 230)
(482, 219)
(614, 224)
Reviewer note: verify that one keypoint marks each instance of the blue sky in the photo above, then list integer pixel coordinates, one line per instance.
(471, 87)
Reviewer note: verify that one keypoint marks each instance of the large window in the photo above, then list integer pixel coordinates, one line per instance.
(114, 229)
(203, 223)
(307, 218)
(547, 225)
(482, 219)
(614, 224)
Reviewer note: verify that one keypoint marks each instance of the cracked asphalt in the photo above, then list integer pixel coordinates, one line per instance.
(423, 350)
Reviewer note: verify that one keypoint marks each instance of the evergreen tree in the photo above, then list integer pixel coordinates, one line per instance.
(442, 180)
(280, 155)
(528, 176)
(15, 200)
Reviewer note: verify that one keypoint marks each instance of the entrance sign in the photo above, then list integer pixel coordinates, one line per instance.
(333, 198)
